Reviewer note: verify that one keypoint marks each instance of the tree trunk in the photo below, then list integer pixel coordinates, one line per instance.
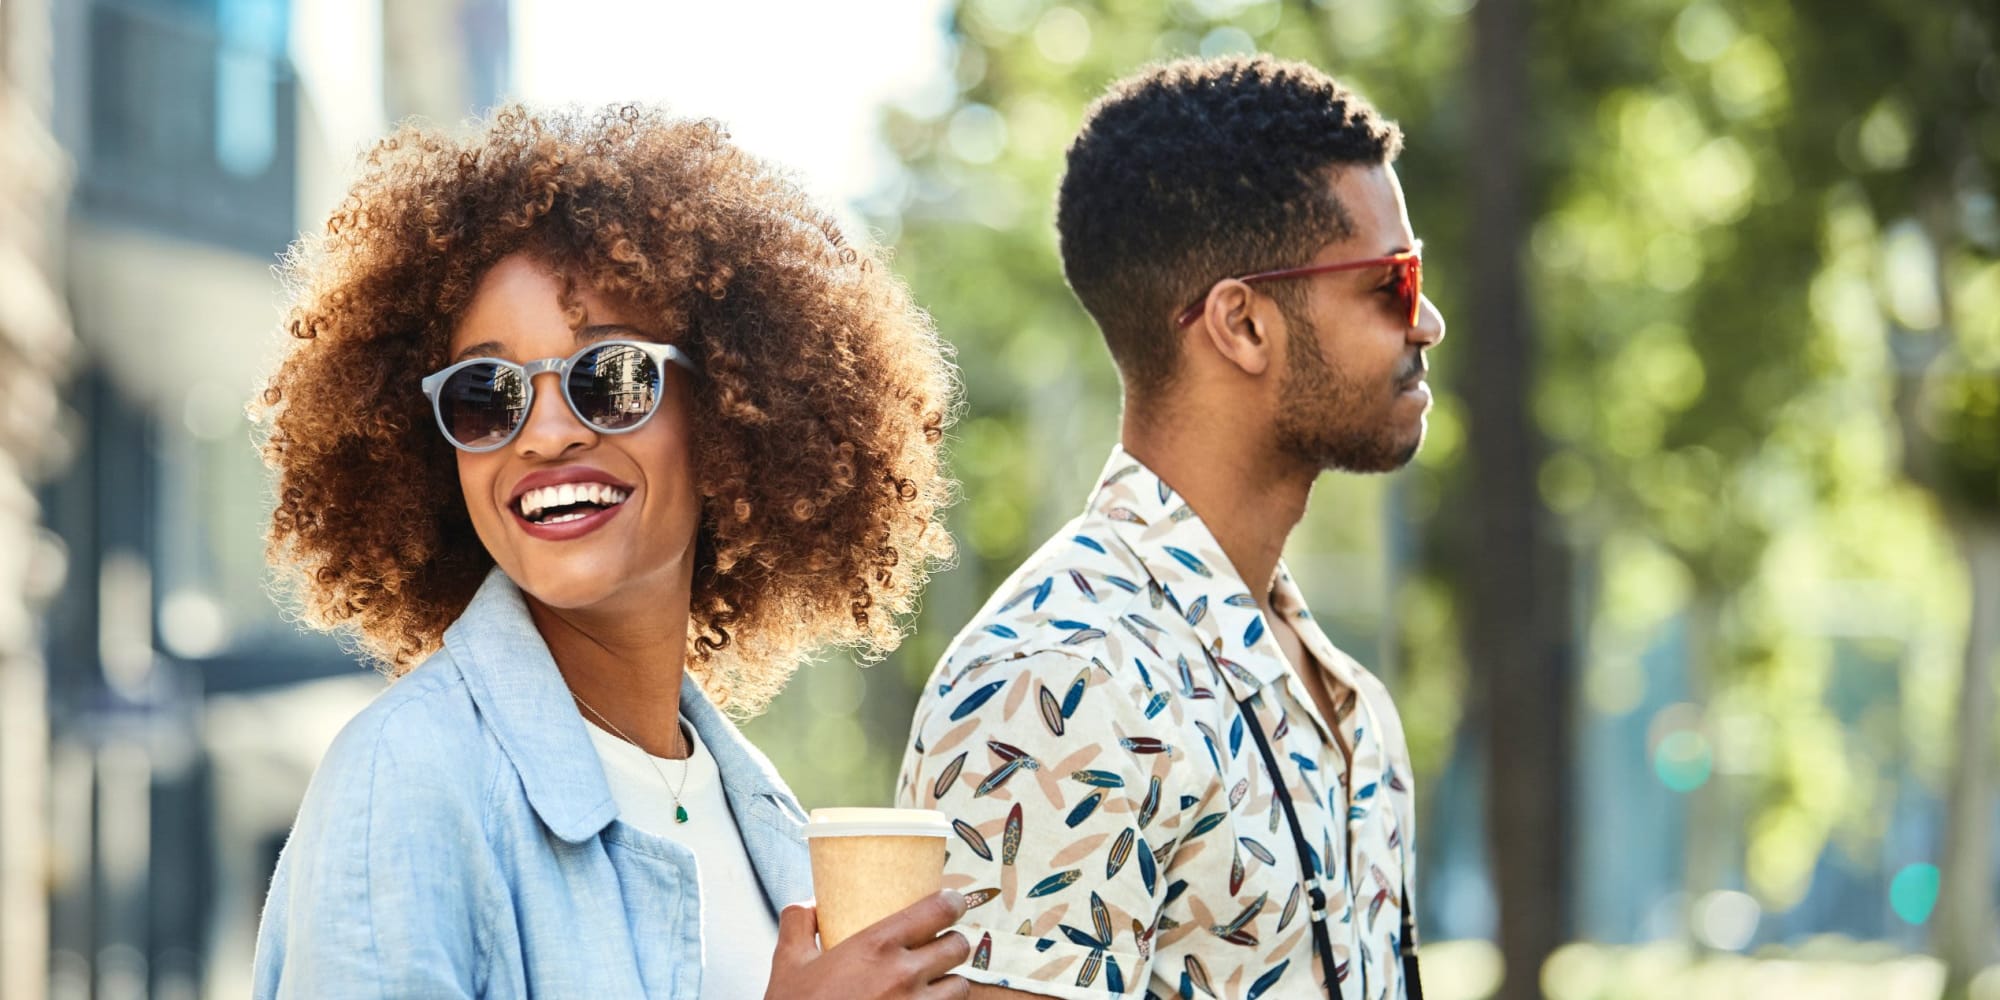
(1964, 930)
(1517, 634)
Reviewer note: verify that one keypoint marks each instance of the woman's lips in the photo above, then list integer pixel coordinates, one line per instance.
(564, 531)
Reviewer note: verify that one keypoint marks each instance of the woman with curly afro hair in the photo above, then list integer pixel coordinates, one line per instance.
(589, 426)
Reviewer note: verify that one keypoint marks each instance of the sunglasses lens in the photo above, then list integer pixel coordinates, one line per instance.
(1412, 289)
(480, 405)
(614, 386)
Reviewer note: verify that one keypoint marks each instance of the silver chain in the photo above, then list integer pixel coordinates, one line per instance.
(680, 743)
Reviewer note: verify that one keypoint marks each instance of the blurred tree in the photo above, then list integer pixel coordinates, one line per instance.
(1704, 205)
(1519, 609)
(1919, 89)
(1760, 193)
(1673, 270)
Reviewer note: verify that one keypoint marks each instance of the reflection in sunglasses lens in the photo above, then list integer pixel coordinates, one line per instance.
(482, 404)
(615, 386)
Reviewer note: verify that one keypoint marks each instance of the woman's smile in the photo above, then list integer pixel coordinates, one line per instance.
(557, 505)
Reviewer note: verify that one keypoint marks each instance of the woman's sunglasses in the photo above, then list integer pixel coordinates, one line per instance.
(1409, 281)
(613, 386)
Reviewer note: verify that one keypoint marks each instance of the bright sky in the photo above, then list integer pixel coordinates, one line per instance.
(797, 81)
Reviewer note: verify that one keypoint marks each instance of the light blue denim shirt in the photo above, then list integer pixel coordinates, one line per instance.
(459, 840)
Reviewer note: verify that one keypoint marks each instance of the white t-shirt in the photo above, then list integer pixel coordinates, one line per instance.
(737, 929)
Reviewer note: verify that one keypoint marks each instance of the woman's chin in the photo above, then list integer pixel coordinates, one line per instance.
(569, 586)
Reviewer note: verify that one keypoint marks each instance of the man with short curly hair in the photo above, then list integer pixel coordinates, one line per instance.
(1164, 779)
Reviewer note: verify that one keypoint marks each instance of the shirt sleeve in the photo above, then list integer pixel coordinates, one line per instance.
(375, 893)
(1064, 781)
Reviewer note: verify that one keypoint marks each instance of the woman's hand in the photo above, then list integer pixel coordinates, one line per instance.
(903, 957)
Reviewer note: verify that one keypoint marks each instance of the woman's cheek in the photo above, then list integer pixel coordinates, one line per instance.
(476, 481)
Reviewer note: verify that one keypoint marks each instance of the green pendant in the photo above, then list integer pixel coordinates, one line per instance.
(680, 813)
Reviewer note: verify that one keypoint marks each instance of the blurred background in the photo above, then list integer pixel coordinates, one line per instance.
(1691, 602)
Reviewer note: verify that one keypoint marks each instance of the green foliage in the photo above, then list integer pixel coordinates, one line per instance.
(1966, 426)
(1719, 375)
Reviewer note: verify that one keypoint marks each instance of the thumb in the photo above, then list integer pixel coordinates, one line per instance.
(798, 930)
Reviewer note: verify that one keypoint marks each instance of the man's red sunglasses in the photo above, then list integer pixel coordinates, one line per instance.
(1409, 267)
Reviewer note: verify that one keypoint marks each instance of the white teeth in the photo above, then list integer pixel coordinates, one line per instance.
(535, 501)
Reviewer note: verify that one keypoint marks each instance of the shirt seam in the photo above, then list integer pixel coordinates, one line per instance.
(368, 850)
(1009, 650)
(487, 929)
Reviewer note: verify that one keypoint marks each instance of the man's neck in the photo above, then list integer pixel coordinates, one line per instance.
(1249, 502)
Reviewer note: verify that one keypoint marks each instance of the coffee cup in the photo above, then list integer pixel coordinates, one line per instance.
(870, 863)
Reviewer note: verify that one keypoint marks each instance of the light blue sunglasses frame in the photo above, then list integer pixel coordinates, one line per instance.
(660, 354)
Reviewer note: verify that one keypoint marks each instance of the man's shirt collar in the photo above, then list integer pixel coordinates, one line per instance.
(1190, 575)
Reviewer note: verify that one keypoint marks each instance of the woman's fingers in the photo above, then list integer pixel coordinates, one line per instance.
(906, 955)
(798, 929)
(921, 921)
(938, 957)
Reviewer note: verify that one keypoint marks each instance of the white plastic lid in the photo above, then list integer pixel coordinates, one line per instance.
(858, 822)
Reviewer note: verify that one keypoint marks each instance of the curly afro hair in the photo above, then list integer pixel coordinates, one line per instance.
(1198, 170)
(818, 416)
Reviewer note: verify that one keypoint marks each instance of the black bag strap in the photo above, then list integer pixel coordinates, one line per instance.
(1413, 980)
(1322, 938)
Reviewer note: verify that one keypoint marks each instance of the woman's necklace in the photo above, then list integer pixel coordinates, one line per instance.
(680, 811)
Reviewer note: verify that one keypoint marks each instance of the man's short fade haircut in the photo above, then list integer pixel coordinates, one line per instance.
(1197, 170)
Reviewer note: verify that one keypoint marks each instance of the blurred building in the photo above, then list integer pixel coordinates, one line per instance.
(35, 342)
(184, 713)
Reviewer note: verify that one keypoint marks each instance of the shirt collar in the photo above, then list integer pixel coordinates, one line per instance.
(1189, 573)
(1290, 604)
(745, 769)
(525, 702)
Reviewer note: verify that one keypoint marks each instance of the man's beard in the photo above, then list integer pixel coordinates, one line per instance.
(1323, 418)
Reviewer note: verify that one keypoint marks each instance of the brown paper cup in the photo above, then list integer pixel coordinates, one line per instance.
(870, 863)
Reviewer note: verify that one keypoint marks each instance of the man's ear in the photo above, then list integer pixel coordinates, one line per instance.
(1239, 325)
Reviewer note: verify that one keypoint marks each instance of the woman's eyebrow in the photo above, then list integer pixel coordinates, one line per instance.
(487, 347)
(596, 331)
(602, 331)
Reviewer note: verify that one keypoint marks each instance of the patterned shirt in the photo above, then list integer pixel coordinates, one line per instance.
(1117, 832)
